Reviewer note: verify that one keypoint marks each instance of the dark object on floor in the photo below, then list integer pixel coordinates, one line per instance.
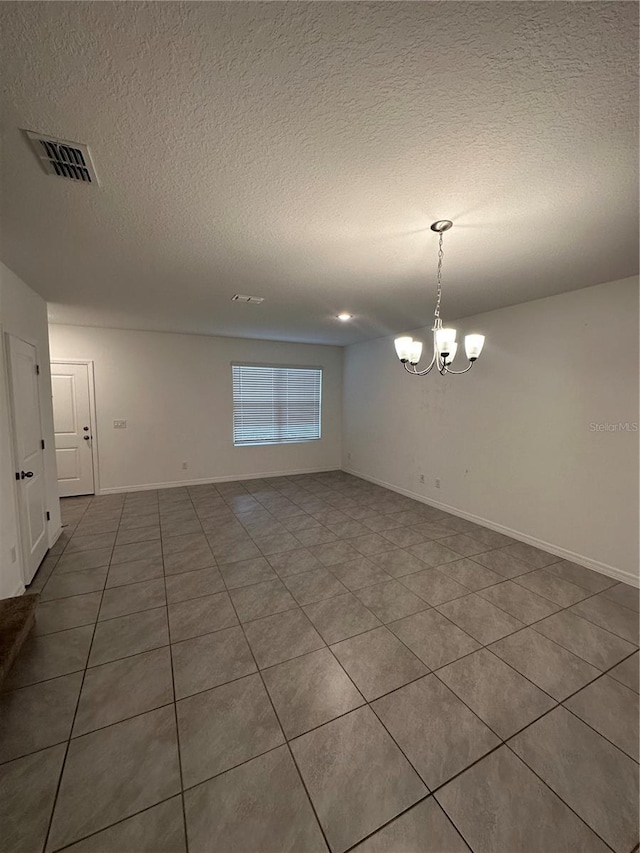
(17, 617)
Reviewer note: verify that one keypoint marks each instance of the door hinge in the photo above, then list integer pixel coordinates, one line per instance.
(17, 475)
(37, 370)
(42, 442)
(48, 516)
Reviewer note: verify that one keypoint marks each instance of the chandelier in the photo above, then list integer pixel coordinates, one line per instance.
(444, 340)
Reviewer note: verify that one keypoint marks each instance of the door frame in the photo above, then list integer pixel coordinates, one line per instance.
(93, 423)
(6, 342)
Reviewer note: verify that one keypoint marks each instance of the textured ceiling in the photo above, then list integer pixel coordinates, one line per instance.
(299, 151)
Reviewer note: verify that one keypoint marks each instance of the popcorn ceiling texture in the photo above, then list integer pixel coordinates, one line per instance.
(299, 152)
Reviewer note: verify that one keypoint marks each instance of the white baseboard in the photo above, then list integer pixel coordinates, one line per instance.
(146, 487)
(587, 562)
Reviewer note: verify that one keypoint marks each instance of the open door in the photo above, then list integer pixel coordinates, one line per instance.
(29, 455)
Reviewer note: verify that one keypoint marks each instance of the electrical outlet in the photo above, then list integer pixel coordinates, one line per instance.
(184, 466)
(437, 482)
(119, 424)
(422, 478)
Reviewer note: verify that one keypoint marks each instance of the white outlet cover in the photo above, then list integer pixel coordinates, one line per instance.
(119, 424)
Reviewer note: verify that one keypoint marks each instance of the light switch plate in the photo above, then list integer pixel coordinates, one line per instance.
(119, 424)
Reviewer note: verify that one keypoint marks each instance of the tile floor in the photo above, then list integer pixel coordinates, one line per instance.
(315, 662)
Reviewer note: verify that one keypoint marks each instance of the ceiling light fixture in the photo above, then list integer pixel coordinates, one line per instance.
(344, 317)
(444, 340)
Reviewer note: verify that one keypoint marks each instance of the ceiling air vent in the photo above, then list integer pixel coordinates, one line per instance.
(253, 300)
(69, 160)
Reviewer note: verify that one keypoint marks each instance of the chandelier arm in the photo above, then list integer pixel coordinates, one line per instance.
(458, 372)
(412, 370)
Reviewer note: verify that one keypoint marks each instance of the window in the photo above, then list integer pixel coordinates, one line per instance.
(276, 405)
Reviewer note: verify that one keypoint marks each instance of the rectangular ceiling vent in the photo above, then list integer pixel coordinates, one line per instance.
(70, 160)
(252, 300)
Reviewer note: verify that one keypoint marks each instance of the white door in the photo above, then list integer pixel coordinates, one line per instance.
(72, 426)
(29, 454)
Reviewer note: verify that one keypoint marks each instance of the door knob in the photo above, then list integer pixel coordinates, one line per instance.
(27, 474)
(86, 429)
(86, 437)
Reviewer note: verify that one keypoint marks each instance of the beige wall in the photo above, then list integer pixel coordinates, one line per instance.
(512, 441)
(175, 393)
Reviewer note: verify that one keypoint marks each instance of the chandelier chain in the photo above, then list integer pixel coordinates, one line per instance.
(439, 277)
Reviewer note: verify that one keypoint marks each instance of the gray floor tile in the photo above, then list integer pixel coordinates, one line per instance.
(83, 561)
(159, 829)
(552, 587)
(554, 669)
(124, 688)
(378, 662)
(179, 527)
(35, 717)
(628, 672)
(434, 586)
(137, 551)
(50, 656)
(491, 538)
(358, 573)
(208, 661)
(269, 795)
(350, 530)
(479, 618)
(262, 599)
(134, 572)
(463, 544)
(186, 554)
(92, 542)
(340, 763)
(534, 557)
(198, 616)
(611, 616)
(578, 575)
(500, 806)
(625, 595)
(434, 553)
(519, 602)
(282, 636)
(62, 614)
(501, 697)
(315, 536)
(114, 773)
(371, 544)
(246, 572)
(612, 710)
(277, 544)
(399, 563)
(433, 638)
(333, 553)
(224, 727)
(341, 617)
(471, 575)
(439, 735)
(129, 635)
(27, 792)
(138, 534)
(431, 530)
(310, 690)
(74, 583)
(390, 600)
(133, 598)
(423, 829)
(403, 537)
(243, 550)
(142, 519)
(583, 638)
(316, 585)
(502, 563)
(193, 585)
(294, 562)
(594, 778)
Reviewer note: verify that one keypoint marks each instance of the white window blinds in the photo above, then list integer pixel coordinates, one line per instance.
(276, 405)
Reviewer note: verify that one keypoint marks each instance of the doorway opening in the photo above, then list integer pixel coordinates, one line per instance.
(74, 425)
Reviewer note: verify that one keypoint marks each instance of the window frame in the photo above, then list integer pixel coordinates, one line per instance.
(270, 366)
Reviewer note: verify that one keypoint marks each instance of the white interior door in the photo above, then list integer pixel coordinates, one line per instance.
(29, 454)
(73, 428)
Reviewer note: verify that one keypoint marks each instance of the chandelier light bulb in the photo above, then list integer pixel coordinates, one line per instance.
(473, 346)
(453, 349)
(445, 338)
(415, 352)
(403, 348)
